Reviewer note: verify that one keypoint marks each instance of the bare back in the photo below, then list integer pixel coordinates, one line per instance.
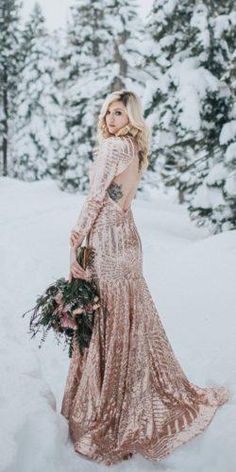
(124, 184)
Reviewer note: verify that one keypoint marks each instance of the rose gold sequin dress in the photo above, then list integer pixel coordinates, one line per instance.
(128, 392)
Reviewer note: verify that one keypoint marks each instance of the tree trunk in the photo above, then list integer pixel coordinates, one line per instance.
(180, 196)
(118, 83)
(5, 121)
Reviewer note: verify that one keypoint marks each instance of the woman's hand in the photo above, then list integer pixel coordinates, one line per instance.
(77, 271)
(75, 238)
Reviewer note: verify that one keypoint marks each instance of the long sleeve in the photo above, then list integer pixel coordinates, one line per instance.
(105, 168)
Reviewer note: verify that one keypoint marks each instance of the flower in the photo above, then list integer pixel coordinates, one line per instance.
(61, 303)
(87, 308)
(91, 307)
(67, 322)
(58, 298)
(96, 306)
(77, 311)
(67, 307)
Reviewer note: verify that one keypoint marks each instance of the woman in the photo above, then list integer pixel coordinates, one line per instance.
(127, 393)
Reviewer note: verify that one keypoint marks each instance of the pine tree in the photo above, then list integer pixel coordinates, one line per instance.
(86, 51)
(9, 55)
(37, 128)
(189, 104)
(126, 30)
(214, 204)
(97, 60)
(168, 105)
(215, 51)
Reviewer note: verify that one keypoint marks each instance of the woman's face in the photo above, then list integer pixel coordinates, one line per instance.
(116, 116)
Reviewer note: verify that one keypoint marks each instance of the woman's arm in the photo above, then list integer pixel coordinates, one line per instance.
(104, 171)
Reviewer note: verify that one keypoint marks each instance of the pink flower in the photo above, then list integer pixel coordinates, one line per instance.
(96, 306)
(58, 298)
(78, 311)
(67, 322)
(92, 307)
(67, 307)
(59, 309)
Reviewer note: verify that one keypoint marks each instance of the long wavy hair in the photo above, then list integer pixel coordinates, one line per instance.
(136, 127)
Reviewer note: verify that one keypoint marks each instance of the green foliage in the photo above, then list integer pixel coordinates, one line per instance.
(68, 308)
(193, 99)
(9, 69)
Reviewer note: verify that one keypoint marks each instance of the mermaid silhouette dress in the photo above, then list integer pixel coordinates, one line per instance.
(127, 393)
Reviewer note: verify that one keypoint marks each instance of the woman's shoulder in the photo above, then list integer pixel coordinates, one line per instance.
(125, 150)
(120, 139)
(126, 144)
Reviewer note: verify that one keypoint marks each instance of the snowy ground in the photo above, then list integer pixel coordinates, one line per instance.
(191, 276)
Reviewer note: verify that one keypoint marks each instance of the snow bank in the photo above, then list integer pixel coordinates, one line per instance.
(191, 276)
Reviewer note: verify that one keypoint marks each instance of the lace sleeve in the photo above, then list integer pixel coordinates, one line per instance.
(105, 168)
(127, 154)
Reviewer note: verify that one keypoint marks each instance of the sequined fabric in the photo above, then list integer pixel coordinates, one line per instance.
(127, 392)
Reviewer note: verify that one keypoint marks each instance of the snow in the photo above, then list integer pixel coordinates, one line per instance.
(230, 184)
(206, 197)
(169, 7)
(217, 174)
(230, 154)
(191, 275)
(193, 84)
(224, 23)
(228, 132)
(199, 20)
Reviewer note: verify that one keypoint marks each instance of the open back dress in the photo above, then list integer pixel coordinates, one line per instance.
(127, 393)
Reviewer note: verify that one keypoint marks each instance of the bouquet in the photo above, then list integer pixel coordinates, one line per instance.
(68, 308)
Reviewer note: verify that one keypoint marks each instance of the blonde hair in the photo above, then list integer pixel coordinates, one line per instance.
(136, 126)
